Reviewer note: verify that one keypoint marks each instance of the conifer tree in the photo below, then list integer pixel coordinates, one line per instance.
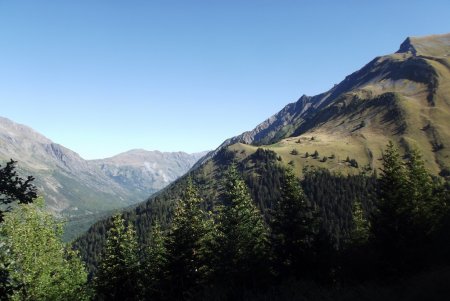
(408, 210)
(426, 207)
(359, 234)
(242, 236)
(391, 208)
(420, 188)
(294, 227)
(14, 189)
(316, 154)
(154, 264)
(117, 277)
(393, 224)
(356, 256)
(189, 227)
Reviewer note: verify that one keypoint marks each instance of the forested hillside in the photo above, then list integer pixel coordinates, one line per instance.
(263, 173)
(330, 235)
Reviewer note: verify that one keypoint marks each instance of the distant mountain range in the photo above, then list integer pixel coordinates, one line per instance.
(80, 189)
(403, 97)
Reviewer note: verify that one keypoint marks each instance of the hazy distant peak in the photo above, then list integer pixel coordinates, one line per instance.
(433, 45)
(137, 156)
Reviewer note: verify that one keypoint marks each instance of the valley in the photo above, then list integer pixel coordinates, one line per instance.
(81, 191)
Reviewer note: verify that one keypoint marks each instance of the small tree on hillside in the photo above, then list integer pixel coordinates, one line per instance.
(354, 163)
(315, 155)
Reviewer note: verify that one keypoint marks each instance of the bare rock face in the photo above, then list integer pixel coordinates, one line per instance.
(407, 47)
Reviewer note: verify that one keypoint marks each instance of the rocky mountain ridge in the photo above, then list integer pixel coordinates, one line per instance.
(403, 96)
(78, 189)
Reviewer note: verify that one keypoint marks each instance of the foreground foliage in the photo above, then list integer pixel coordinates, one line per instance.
(38, 264)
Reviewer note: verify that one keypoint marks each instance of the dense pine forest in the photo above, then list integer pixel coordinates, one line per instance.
(255, 232)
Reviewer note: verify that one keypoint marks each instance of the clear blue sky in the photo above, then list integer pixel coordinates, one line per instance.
(102, 77)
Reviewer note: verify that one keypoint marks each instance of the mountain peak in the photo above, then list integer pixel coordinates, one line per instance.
(433, 45)
(407, 46)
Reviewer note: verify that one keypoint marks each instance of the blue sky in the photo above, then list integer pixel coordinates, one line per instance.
(103, 77)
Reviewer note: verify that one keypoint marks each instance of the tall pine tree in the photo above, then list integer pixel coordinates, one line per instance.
(294, 226)
(405, 207)
(154, 264)
(421, 188)
(118, 273)
(189, 227)
(241, 237)
(391, 221)
(426, 207)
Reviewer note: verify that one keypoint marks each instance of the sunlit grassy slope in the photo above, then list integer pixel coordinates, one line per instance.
(403, 97)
